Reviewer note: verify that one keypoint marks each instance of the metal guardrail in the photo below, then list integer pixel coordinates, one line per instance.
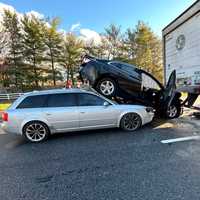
(10, 96)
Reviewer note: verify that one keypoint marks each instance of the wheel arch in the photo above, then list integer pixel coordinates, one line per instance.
(45, 122)
(126, 112)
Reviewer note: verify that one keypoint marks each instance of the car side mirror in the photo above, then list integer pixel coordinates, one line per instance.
(106, 104)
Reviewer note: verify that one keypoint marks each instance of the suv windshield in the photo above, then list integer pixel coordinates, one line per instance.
(149, 83)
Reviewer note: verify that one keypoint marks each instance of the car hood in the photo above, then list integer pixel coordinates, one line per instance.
(129, 106)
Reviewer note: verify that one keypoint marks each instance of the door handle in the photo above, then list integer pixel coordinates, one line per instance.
(48, 114)
(82, 112)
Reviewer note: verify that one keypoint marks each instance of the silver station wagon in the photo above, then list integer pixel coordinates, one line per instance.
(38, 114)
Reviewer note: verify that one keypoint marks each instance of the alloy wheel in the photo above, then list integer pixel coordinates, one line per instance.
(172, 111)
(107, 87)
(35, 132)
(131, 121)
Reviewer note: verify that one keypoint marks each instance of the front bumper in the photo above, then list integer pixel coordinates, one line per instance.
(148, 117)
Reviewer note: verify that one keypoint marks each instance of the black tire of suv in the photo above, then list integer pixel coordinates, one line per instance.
(178, 112)
(103, 80)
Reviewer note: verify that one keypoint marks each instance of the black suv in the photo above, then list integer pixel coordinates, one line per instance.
(129, 84)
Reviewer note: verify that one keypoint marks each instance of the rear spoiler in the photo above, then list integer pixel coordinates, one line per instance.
(86, 58)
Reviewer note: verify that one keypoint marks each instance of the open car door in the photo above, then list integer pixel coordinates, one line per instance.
(171, 86)
(170, 90)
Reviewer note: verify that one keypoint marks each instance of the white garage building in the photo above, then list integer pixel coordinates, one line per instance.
(181, 41)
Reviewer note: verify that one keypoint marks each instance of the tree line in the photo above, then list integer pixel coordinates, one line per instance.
(36, 54)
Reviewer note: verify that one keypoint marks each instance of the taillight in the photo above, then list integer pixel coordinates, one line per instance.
(5, 116)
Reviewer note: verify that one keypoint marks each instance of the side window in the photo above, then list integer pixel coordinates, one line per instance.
(90, 100)
(116, 64)
(36, 101)
(127, 68)
(61, 100)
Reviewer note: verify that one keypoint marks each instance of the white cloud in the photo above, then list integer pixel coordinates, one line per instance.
(75, 27)
(20, 15)
(89, 36)
(36, 14)
(62, 31)
(86, 35)
(5, 7)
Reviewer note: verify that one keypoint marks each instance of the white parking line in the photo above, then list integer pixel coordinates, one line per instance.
(182, 139)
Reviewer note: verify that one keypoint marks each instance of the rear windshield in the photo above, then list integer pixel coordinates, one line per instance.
(37, 101)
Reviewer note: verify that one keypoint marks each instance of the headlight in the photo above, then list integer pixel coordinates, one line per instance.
(150, 109)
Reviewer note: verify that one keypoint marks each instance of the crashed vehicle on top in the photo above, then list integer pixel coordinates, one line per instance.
(129, 84)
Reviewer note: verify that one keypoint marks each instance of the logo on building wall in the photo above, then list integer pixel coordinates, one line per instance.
(180, 42)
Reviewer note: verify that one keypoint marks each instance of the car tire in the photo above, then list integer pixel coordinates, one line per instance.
(36, 131)
(107, 87)
(131, 122)
(174, 111)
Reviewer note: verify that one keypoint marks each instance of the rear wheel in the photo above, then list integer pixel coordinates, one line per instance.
(107, 87)
(36, 131)
(131, 122)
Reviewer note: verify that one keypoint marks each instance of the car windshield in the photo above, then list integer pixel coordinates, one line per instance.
(149, 83)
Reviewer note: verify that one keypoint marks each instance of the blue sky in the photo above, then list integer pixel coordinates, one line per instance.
(96, 15)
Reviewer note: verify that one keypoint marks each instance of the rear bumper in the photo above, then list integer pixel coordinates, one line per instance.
(9, 129)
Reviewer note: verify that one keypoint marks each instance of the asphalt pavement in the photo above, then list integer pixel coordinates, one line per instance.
(104, 164)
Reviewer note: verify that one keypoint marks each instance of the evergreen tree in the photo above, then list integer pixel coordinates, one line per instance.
(113, 34)
(3, 41)
(98, 50)
(53, 41)
(34, 49)
(145, 49)
(12, 30)
(72, 50)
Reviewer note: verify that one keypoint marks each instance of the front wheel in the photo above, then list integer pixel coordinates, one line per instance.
(131, 122)
(173, 111)
(107, 87)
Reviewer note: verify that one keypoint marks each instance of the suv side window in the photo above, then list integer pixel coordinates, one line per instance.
(127, 68)
(90, 100)
(118, 65)
(61, 100)
(36, 101)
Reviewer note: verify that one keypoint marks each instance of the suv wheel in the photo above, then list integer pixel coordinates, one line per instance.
(36, 131)
(131, 122)
(107, 87)
(173, 111)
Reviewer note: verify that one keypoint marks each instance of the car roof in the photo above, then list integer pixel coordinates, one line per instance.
(56, 91)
